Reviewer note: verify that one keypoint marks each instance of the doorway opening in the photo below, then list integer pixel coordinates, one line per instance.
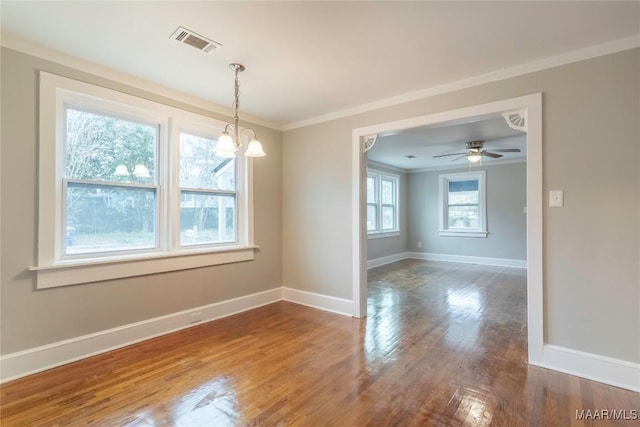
(527, 111)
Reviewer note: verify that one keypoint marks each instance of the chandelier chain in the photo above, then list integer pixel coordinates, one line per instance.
(236, 94)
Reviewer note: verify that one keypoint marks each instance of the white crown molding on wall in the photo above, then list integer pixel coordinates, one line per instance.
(375, 164)
(493, 76)
(466, 166)
(14, 42)
(19, 44)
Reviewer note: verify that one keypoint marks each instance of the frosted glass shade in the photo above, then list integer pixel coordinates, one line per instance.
(254, 149)
(225, 147)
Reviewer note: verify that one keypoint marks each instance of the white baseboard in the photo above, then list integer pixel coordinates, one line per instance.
(615, 372)
(26, 362)
(498, 262)
(319, 301)
(603, 369)
(377, 262)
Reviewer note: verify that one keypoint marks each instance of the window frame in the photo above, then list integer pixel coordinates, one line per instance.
(443, 199)
(204, 131)
(72, 100)
(56, 269)
(378, 177)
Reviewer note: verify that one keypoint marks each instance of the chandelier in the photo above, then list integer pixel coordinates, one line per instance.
(229, 145)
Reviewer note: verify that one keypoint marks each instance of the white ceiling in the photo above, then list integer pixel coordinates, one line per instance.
(308, 59)
(429, 141)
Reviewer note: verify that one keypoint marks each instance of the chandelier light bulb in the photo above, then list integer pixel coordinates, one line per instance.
(227, 146)
(254, 149)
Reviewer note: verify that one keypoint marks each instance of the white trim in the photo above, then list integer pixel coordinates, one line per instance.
(607, 370)
(54, 268)
(443, 203)
(382, 235)
(389, 259)
(462, 233)
(376, 165)
(465, 259)
(358, 225)
(378, 176)
(532, 104)
(30, 361)
(493, 76)
(322, 302)
(19, 44)
(466, 166)
(72, 274)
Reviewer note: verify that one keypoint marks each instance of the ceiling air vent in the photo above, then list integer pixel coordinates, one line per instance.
(185, 36)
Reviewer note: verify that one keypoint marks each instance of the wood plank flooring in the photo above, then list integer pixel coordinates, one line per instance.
(444, 345)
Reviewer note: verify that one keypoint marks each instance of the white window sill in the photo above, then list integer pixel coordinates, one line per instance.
(451, 233)
(382, 235)
(99, 269)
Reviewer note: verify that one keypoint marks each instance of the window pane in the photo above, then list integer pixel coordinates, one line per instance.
(469, 185)
(463, 192)
(371, 190)
(102, 218)
(207, 218)
(200, 168)
(387, 192)
(100, 147)
(388, 217)
(463, 217)
(372, 218)
(464, 198)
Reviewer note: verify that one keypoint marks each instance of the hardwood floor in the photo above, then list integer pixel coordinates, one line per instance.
(444, 344)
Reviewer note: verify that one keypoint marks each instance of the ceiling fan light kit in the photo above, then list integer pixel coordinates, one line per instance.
(475, 152)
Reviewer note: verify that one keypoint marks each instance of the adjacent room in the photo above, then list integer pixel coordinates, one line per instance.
(319, 213)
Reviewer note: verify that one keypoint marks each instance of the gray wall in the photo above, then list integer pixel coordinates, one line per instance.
(385, 246)
(31, 318)
(591, 246)
(506, 221)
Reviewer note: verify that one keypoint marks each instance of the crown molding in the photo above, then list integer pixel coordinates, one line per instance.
(375, 164)
(19, 44)
(493, 76)
(466, 166)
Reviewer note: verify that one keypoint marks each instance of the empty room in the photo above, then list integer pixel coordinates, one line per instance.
(319, 213)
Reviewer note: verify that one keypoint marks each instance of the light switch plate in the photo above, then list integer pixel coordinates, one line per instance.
(556, 199)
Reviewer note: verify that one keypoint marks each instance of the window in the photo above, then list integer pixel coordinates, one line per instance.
(462, 204)
(109, 184)
(208, 193)
(126, 183)
(382, 204)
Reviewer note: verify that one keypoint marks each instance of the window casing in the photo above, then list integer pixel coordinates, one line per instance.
(382, 204)
(462, 199)
(127, 183)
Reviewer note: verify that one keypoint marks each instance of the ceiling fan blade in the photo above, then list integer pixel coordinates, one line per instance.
(452, 154)
(492, 155)
(458, 158)
(507, 150)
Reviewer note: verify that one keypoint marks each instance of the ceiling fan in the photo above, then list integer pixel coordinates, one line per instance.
(475, 152)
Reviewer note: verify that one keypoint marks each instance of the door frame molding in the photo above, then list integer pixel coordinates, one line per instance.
(532, 106)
